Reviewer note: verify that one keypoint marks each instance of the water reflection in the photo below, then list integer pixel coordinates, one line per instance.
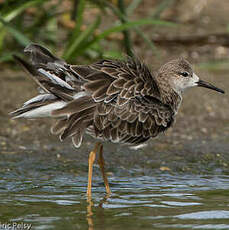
(90, 206)
(160, 202)
(90, 214)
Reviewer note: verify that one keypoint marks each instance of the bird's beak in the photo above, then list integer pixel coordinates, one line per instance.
(209, 86)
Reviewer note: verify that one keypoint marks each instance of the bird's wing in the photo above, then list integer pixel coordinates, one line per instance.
(128, 100)
(118, 100)
(124, 80)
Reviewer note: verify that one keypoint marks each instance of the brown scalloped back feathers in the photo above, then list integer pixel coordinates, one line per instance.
(118, 101)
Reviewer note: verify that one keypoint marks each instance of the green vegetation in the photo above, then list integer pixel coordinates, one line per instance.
(64, 27)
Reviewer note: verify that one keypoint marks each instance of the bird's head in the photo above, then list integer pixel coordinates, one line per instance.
(180, 76)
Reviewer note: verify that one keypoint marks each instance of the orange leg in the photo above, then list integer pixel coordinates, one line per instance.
(92, 156)
(91, 160)
(102, 168)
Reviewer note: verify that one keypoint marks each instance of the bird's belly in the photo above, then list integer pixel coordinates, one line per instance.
(129, 134)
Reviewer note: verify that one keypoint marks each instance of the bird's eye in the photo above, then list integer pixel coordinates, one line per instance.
(184, 74)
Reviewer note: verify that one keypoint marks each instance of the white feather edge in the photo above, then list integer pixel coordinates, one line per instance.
(137, 147)
(41, 97)
(55, 79)
(79, 144)
(46, 110)
(43, 111)
(79, 94)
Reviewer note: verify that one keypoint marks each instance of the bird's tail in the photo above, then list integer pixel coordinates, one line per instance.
(55, 81)
(60, 95)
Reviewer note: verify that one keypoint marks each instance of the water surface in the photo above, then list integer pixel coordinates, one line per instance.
(167, 185)
(160, 202)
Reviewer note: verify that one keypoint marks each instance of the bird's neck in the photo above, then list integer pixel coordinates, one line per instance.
(173, 99)
(168, 95)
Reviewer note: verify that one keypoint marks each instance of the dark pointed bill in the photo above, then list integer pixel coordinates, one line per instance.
(209, 86)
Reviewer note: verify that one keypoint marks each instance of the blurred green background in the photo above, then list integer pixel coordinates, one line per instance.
(84, 30)
(75, 28)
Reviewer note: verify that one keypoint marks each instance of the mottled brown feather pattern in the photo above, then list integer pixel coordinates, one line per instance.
(125, 118)
(121, 101)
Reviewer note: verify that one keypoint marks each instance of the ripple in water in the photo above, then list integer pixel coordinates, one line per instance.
(161, 202)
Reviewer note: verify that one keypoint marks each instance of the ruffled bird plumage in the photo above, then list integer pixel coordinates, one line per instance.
(118, 101)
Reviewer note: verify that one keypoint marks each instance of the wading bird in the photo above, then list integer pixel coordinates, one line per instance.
(111, 100)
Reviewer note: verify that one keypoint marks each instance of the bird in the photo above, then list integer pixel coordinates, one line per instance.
(120, 101)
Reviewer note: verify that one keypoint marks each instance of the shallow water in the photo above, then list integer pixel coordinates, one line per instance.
(160, 202)
(43, 182)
